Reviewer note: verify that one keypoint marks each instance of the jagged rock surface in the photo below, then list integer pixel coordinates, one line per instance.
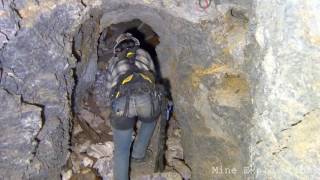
(21, 123)
(287, 93)
(243, 74)
(36, 66)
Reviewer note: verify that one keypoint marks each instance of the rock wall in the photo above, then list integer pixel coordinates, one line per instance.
(286, 96)
(243, 76)
(36, 86)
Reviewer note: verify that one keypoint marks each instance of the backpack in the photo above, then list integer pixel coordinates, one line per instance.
(135, 82)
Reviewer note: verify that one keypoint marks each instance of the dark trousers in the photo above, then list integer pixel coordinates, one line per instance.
(139, 107)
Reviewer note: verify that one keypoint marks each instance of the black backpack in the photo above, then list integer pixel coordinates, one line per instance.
(135, 81)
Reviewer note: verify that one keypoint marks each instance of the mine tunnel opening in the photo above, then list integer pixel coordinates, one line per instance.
(149, 40)
(91, 123)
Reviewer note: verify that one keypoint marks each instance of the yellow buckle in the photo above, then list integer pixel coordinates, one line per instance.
(127, 79)
(130, 54)
(118, 93)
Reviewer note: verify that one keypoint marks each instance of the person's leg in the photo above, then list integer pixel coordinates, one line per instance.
(122, 142)
(141, 142)
(144, 108)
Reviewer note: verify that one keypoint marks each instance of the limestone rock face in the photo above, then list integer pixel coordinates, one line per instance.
(36, 85)
(286, 94)
(21, 124)
(244, 77)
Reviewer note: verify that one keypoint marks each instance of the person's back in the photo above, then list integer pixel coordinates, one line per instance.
(133, 95)
(120, 65)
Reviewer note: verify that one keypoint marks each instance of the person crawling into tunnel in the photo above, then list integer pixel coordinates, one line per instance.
(134, 95)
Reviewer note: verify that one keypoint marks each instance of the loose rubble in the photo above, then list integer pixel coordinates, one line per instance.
(94, 160)
(101, 150)
(174, 153)
(172, 175)
(105, 168)
(66, 175)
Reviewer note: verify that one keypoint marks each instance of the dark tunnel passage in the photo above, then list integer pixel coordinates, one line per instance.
(143, 32)
(148, 41)
(91, 120)
(195, 114)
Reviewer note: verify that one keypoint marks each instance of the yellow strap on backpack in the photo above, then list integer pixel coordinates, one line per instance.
(130, 54)
(118, 93)
(145, 77)
(127, 79)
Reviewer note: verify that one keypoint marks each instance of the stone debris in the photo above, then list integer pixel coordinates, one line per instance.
(77, 129)
(66, 175)
(104, 154)
(171, 175)
(93, 161)
(92, 119)
(174, 153)
(86, 174)
(105, 168)
(101, 150)
(98, 156)
(174, 149)
(80, 148)
(76, 162)
(87, 162)
(181, 167)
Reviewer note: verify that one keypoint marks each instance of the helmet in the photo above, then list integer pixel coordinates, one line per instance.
(124, 42)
